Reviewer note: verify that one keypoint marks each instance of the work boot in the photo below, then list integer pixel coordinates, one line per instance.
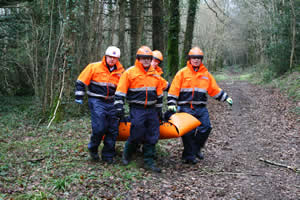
(140, 149)
(108, 161)
(149, 150)
(153, 168)
(129, 149)
(200, 155)
(191, 162)
(94, 155)
(125, 159)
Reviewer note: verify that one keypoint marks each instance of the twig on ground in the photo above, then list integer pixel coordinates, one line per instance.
(37, 160)
(212, 172)
(280, 165)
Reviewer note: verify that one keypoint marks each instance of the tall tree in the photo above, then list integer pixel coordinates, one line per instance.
(8, 3)
(122, 9)
(189, 30)
(133, 29)
(157, 25)
(85, 45)
(293, 27)
(173, 37)
(140, 27)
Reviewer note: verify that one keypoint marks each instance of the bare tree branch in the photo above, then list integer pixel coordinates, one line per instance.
(60, 94)
(222, 21)
(220, 9)
(12, 4)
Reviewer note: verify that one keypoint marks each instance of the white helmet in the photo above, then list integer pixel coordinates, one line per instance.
(113, 51)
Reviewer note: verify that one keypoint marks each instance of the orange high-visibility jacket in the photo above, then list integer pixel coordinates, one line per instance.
(164, 82)
(101, 81)
(139, 87)
(189, 87)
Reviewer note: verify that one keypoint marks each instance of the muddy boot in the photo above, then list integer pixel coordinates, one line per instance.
(139, 148)
(201, 138)
(108, 160)
(94, 155)
(129, 149)
(153, 168)
(155, 154)
(200, 155)
(149, 164)
(190, 162)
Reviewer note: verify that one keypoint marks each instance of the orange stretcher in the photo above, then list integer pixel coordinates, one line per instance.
(178, 125)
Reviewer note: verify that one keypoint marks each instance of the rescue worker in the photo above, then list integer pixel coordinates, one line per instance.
(102, 79)
(189, 90)
(141, 87)
(156, 61)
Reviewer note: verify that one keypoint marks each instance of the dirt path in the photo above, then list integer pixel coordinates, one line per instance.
(259, 125)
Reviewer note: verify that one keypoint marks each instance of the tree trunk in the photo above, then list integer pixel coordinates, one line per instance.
(85, 47)
(140, 28)
(165, 29)
(99, 31)
(173, 37)
(113, 19)
(122, 10)
(46, 81)
(157, 25)
(93, 34)
(133, 29)
(293, 40)
(188, 35)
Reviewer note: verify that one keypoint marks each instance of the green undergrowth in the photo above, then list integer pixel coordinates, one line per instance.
(37, 162)
(288, 83)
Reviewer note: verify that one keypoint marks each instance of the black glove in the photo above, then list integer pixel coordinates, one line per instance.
(120, 113)
(159, 113)
(168, 114)
(160, 116)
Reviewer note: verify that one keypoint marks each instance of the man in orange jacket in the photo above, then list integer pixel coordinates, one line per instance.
(189, 90)
(102, 79)
(141, 86)
(156, 61)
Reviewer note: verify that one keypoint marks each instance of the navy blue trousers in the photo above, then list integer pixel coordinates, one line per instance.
(194, 140)
(104, 123)
(144, 126)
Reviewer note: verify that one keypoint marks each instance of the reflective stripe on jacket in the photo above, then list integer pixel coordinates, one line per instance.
(164, 82)
(100, 81)
(190, 87)
(139, 87)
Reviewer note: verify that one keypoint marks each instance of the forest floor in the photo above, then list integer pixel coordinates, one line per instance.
(260, 127)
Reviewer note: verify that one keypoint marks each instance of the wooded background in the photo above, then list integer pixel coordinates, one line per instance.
(45, 44)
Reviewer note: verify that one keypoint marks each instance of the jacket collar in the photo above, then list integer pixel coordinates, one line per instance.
(159, 70)
(117, 67)
(202, 68)
(139, 65)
